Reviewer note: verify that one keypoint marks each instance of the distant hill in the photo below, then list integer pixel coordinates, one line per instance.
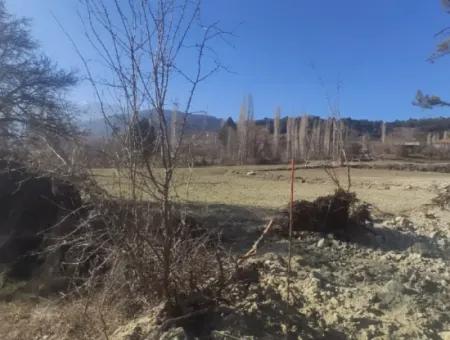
(195, 123)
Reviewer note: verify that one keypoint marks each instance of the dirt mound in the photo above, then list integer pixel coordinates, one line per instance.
(327, 214)
(30, 204)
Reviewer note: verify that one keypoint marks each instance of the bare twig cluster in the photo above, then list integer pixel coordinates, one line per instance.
(138, 233)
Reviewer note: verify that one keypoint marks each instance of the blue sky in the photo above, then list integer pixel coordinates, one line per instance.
(376, 50)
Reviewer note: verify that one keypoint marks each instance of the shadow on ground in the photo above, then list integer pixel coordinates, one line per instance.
(242, 225)
(239, 225)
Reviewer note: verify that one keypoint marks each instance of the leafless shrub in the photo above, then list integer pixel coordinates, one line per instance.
(338, 147)
(137, 241)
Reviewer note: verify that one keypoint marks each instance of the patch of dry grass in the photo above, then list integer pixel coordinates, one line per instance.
(389, 190)
(30, 319)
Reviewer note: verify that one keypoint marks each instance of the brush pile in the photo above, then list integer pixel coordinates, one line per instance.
(443, 198)
(334, 214)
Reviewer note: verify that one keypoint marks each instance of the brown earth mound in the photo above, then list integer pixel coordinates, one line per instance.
(29, 205)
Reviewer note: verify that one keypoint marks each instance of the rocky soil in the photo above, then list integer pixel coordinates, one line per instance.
(394, 284)
(389, 281)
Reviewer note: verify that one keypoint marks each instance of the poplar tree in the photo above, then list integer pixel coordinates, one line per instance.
(276, 132)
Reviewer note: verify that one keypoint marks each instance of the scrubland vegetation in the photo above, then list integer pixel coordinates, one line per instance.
(161, 230)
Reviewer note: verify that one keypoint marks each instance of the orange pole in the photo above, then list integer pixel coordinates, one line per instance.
(291, 208)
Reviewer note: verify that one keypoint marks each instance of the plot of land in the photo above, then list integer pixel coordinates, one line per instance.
(395, 285)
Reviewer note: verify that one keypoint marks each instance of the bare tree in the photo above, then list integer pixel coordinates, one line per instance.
(229, 139)
(276, 133)
(442, 49)
(32, 104)
(383, 132)
(251, 127)
(327, 137)
(302, 136)
(242, 128)
(290, 135)
(140, 45)
(315, 138)
(296, 138)
(174, 125)
(429, 139)
(231, 142)
(246, 131)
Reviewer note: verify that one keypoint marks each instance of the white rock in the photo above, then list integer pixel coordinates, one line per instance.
(321, 243)
(399, 220)
(433, 234)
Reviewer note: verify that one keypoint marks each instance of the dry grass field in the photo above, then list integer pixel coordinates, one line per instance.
(391, 191)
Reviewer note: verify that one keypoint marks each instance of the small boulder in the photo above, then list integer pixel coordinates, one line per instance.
(399, 220)
(321, 243)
